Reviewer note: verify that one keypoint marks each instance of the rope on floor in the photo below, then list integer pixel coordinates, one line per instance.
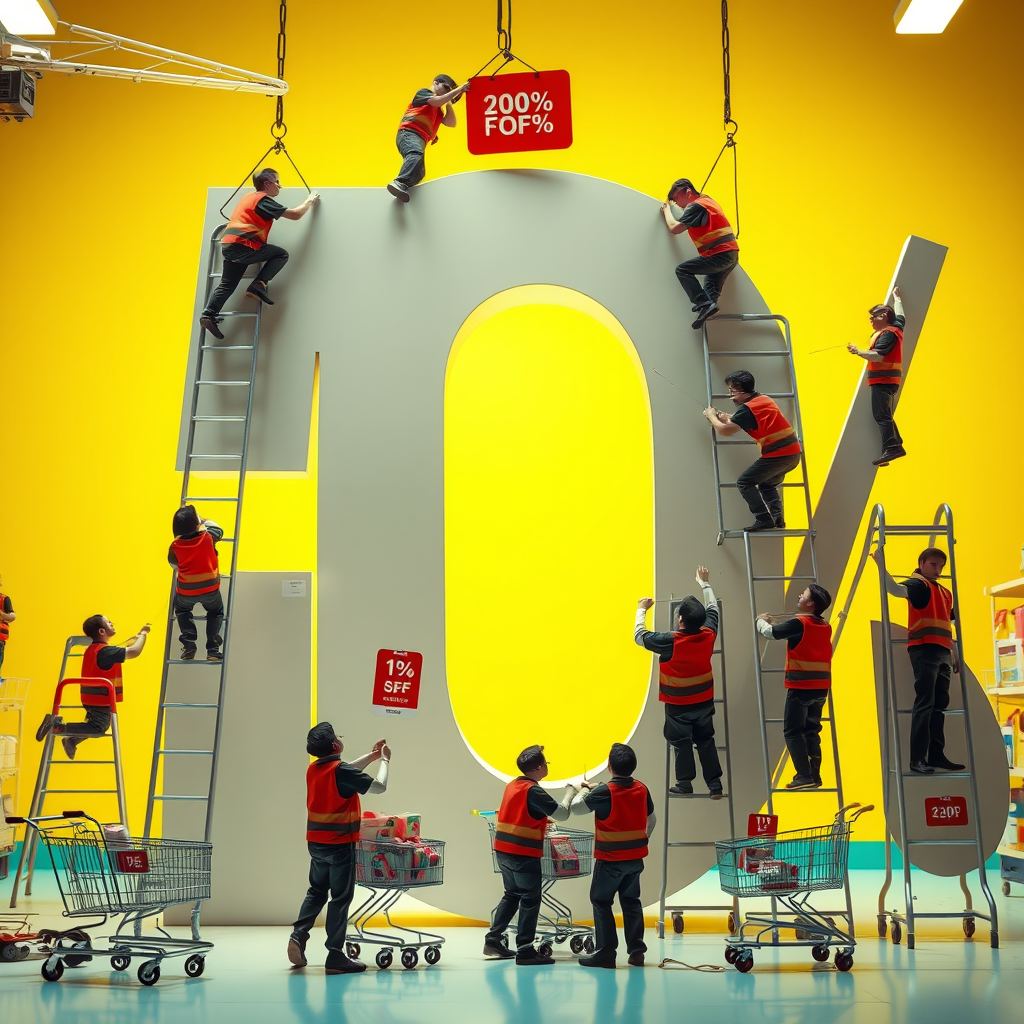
(706, 968)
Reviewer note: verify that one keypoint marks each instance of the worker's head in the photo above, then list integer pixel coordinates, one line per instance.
(682, 192)
(322, 741)
(267, 181)
(814, 600)
(443, 84)
(882, 317)
(692, 614)
(98, 628)
(186, 520)
(532, 763)
(931, 562)
(740, 385)
(621, 760)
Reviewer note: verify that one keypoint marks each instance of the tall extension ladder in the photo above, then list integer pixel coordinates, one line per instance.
(894, 774)
(236, 423)
(756, 542)
(29, 848)
(677, 909)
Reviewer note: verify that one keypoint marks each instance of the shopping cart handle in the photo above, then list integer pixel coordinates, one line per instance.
(14, 821)
(74, 814)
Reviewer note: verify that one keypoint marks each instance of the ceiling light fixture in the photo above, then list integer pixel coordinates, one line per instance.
(924, 17)
(28, 17)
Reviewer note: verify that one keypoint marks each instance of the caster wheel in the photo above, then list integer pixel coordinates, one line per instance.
(52, 970)
(588, 945)
(433, 954)
(9, 951)
(844, 961)
(969, 926)
(410, 958)
(744, 962)
(731, 954)
(23, 952)
(820, 953)
(1006, 888)
(544, 949)
(678, 924)
(896, 933)
(195, 965)
(384, 959)
(576, 944)
(149, 972)
(76, 939)
(121, 963)
(731, 923)
(883, 925)
(352, 950)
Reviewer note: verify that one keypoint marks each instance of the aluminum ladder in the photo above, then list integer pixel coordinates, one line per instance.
(209, 426)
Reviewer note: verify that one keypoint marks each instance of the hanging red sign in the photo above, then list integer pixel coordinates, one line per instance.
(396, 683)
(762, 825)
(519, 113)
(945, 810)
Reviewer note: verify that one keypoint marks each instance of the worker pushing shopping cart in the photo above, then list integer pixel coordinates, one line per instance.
(102, 872)
(788, 867)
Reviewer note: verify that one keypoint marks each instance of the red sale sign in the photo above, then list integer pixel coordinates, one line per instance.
(519, 113)
(133, 862)
(945, 810)
(396, 683)
(762, 825)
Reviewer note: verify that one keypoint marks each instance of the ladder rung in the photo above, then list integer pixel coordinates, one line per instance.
(932, 775)
(218, 419)
(176, 704)
(940, 842)
(200, 497)
(76, 761)
(193, 661)
(766, 671)
(709, 842)
(770, 533)
(45, 792)
(228, 348)
(948, 711)
(210, 752)
(238, 312)
(697, 796)
(924, 531)
(157, 796)
(225, 383)
(780, 721)
(225, 455)
(777, 485)
(817, 789)
(753, 352)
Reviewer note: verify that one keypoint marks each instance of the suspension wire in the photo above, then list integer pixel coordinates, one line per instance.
(504, 43)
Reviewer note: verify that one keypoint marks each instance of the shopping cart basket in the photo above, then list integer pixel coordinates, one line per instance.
(134, 878)
(389, 870)
(568, 853)
(788, 867)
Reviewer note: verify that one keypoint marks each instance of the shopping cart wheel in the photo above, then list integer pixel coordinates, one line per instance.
(744, 961)
(432, 954)
(844, 961)
(588, 944)
(10, 951)
(52, 969)
(559, 939)
(149, 972)
(544, 949)
(384, 959)
(1006, 888)
(677, 924)
(820, 953)
(969, 926)
(409, 958)
(195, 965)
(120, 963)
(731, 954)
(352, 950)
(896, 933)
(576, 944)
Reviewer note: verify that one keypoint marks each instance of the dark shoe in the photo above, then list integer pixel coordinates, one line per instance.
(760, 523)
(209, 323)
(636, 959)
(715, 792)
(527, 956)
(498, 951)
(778, 517)
(946, 765)
(886, 457)
(400, 192)
(682, 789)
(704, 313)
(70, 746)
(922, 768)
(188, 654)
(214, 656)
(337, 963)
(597, 961)
(296, 953)
(48, 722)
(258, 290)
(802, 782)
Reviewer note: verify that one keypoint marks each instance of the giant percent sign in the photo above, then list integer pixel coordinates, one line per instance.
(519, 113)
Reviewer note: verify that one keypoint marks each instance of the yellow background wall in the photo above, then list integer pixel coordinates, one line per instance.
(851, 138)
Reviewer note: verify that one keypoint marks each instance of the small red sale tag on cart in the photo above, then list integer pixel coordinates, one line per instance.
(396, 683)
(519, 113)
(132, 862)
(762, 825)
(945, 810)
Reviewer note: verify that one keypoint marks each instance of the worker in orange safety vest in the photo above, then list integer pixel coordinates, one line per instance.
(193, 553)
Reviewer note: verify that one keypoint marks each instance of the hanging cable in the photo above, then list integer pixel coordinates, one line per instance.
(504, 42)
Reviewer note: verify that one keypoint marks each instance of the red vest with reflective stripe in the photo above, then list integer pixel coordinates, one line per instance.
(889, 370)
(516, 830)
(687, 677)
(623, 834)
(773, 434)
(425, 120)
(99, 696)
(809, 664)
(330, 817)
(715, 236)
(198, 569)
(932, 624)
(4, 631)
(246, 226)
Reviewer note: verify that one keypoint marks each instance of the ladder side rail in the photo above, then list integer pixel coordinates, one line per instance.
(730, 794)
(664, 842)
(759, 683)
(714, 437)
(799, 426)
(869, 536)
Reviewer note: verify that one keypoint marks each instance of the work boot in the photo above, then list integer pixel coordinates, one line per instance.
(715, 790)
(48, 722)
(338, 963)
(296, 953)
(597, 960)
(816, 770)
(498, 951)
(258, 290)
(802, 782)
(944, 764)
(210, 323)
(887, 456)
(214, 656)
(922, 768)
(682, 789)
(636, 959)
(778, 518)
(70, 746)
(188, 653)
(527, 956)
(704, 313)
(399, 191)
(762, 522)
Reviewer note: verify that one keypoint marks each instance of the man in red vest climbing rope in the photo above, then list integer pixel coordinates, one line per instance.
(808, 679)
(624, 819)
(933, 656)
(333, 814)
(429, 109)
(519, 845)
(193, 553)
(884, 355)
(101, 660)
(244, 244)
(686, 685)
(762, 419)
(7, 616)
(718, 252)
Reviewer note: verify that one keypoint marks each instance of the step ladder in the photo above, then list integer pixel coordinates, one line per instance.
(763, 550)
(47, 762)
(895, 777)
(677, 910)
(189, 713)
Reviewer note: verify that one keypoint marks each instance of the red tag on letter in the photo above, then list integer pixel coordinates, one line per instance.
(945, 810)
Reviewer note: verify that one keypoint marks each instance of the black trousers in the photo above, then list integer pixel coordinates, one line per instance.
(332, 872)
(236, 258)
(689, 726)
(933, 671)
(97, 722)
(715, 269)
(3, 648)
(883, 400)
(412, 146)
(801, 725)
(522, 879)
(213, 604)
(759, 483)
(622, 878)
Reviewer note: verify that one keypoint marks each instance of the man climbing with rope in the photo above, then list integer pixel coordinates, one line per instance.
(718, 252)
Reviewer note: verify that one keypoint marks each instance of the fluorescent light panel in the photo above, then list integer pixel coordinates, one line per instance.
(924, 17)
(28, 17)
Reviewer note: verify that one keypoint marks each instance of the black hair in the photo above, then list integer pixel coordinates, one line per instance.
(92, 626)
(692, 614)
(445, 80)
(530, 759)
(682, 183)
(260, 178)
(887, 311)
(932, 553)
(320, 740)
(821, 598)
(743, 379)
(186, 520)
(622, 760)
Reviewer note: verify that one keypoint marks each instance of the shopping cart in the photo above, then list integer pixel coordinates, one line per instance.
(134, 878)
(389, 870)
(568, 853)
(788, 867)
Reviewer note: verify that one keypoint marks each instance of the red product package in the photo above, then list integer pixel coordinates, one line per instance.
(564, 856)
(752, 857)
(777, 875)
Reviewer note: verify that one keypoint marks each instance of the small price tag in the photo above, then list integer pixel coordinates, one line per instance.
(396, 683)
(762, 825)
(132, 862)
(519, 113)
(945, 810)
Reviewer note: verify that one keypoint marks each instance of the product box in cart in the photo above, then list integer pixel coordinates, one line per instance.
(564, 856)
(391, 827)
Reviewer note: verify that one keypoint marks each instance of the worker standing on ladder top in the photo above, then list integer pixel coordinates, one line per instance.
(333, 816)
(244, 244)
(933, 656)
(193, 553)
(100, 660)
(808, 679)
(519, 845)
(7, 616)
(623, 822)
(420, 124)
(884, 355)
(780, 449)
(718, 252)
(686, 685)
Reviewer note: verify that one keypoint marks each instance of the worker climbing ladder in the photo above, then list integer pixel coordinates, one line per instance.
(189, 713)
